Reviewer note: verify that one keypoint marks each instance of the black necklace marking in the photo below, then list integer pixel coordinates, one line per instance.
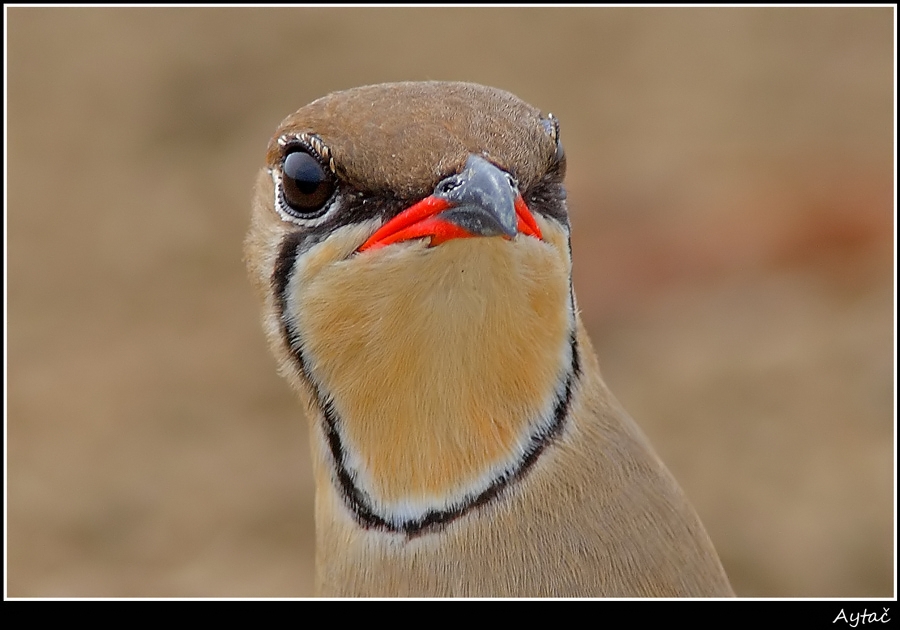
(359, 502)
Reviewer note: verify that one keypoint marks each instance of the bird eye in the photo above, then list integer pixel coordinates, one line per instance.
(551, 125)
(305, 183)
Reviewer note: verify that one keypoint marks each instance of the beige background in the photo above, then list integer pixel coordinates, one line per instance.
(730, 185)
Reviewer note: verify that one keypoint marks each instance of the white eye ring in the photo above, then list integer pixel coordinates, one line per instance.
(284, 211)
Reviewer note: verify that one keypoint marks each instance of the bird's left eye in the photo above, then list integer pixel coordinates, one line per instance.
(306, 185)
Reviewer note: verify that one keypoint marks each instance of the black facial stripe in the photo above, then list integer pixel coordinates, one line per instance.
(357, 499)
(284, 265)
(354, 208)
(548, 198)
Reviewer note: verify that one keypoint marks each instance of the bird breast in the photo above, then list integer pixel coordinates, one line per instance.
(440, 363)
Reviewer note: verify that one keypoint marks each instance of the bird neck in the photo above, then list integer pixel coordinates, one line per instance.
(439, 383)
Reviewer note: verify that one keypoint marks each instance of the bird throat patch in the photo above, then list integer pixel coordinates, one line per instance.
(440, 374)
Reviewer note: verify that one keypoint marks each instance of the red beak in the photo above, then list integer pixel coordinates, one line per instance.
(480, 201)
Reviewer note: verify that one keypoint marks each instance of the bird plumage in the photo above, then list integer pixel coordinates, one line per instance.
(464, 443)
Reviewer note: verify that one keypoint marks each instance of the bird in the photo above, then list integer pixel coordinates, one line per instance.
(410, 244)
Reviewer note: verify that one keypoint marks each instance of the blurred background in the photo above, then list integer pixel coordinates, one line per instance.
(731, 194)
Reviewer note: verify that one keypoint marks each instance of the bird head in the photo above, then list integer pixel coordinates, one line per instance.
(410, 243)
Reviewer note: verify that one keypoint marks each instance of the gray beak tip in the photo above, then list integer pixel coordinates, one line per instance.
(483, 198)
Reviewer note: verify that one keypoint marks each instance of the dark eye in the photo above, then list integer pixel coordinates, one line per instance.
(306, 184)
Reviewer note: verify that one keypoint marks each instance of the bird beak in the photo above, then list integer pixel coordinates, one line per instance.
(482, 200)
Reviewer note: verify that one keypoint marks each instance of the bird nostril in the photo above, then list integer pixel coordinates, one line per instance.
(449, 184)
